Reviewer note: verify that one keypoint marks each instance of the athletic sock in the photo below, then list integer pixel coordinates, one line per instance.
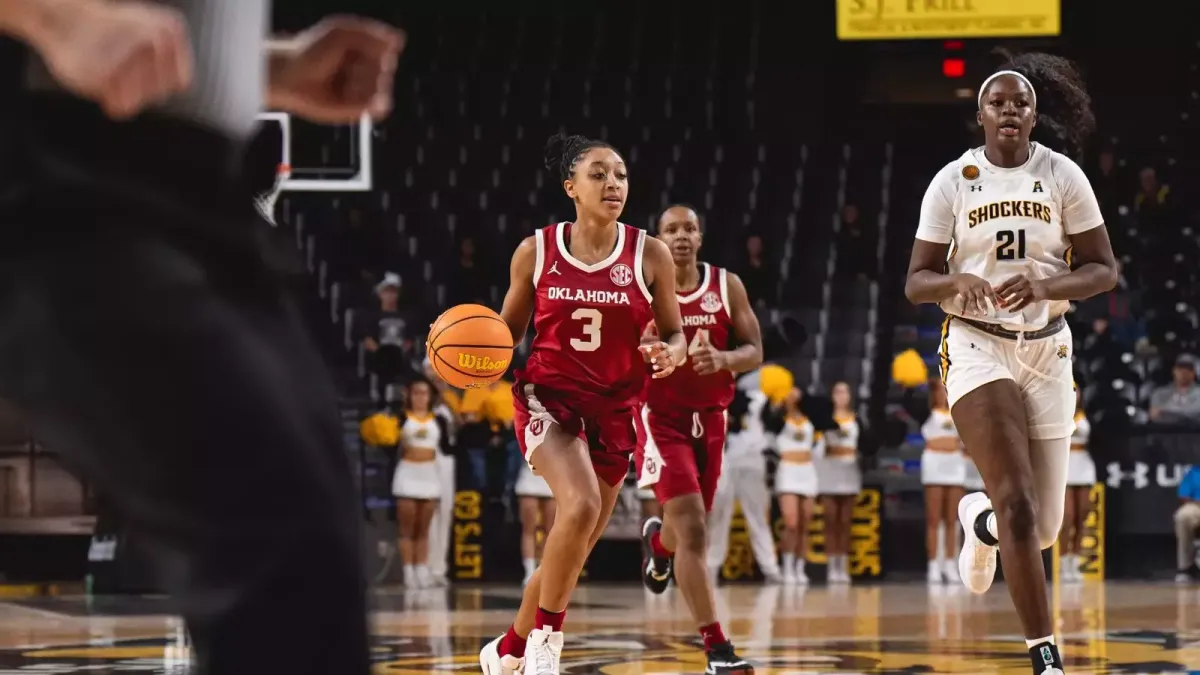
(512, 644)
(657, 549)
(985, 528)
(789, 563)
(1043, 654)
(529, 564)
(712, 635)
(549, 620)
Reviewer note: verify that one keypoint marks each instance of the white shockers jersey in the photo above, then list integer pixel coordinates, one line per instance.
(1001, 222)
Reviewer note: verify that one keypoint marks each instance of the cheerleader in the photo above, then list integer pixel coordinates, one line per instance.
(1081, 476)
(417, 484)
(840, 480)
(796, 486)
(943, 472)
(535, 503)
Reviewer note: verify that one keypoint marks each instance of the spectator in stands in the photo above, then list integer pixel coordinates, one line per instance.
(1100, 343)
(1108, 184)
(1153, 202)
(474, 434)
(388, 338)
(1187, 521)
(856, 255)
(469, 282)
(1178, 402)
(754, 272)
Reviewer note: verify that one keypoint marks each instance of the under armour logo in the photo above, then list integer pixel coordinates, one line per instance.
(1139, 475)
(554, 269)
(976, 188)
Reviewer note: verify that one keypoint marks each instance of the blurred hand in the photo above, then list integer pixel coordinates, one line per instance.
(658, 354)
(707, 359)
(975, 293)
(337, 70)
(125, 56)
(1019, 291)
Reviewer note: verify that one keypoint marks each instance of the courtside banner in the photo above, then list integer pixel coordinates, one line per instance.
(946, 19)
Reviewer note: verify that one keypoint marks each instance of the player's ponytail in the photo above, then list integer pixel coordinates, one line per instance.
(1064, 106)
(563, 152)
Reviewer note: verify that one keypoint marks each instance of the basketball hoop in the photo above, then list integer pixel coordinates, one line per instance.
(266, 201)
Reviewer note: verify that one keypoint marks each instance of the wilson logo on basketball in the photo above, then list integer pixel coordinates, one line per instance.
(480, 364)
(621, 275)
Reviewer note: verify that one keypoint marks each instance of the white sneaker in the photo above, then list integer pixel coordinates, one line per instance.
(543, 649)
(801, 577)
(491, 663)
(976, 560)
(789, 578)
(933, 575)
(950, 571)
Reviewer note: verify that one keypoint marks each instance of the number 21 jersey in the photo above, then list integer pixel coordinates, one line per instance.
(588, 320)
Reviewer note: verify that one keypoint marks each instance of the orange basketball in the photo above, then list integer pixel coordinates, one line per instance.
(469, 346)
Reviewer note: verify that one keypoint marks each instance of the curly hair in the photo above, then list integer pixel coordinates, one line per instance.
(563, 152)
(1064, 106)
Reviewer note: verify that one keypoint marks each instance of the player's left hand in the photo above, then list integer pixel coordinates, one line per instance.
(658, 354)
(337, 70)
(707, 359)
(1019, 291)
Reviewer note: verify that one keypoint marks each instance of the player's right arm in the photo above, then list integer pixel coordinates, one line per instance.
(518, 301)
(927, 278)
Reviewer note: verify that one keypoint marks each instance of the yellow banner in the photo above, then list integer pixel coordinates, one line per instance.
(946, 19)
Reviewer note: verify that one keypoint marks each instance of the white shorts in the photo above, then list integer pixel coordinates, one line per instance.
(417, 480)
(973, 481)
(529, 485)
(1081, 470)
(796, 478)
(943, 468)
(838, 477)
(971, 358)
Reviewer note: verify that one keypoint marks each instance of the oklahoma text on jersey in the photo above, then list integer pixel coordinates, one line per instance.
(588, 318)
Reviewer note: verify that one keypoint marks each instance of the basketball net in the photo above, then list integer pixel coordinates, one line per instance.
(266, 201)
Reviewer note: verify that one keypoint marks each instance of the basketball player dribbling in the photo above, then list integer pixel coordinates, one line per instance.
(685, 416)
(590, 287)
(1009, 234)
(142, 332)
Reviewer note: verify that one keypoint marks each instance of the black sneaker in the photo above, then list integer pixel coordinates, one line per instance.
(656, 572)
(1046, 660)
(722, 660)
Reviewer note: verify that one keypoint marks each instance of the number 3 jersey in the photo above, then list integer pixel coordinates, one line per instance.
(706, 318)
(588, 320)
(1002, 222)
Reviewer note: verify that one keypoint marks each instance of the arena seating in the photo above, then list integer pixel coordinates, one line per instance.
(462, 159)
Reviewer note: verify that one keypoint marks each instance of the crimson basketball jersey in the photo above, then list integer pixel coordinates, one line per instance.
(704, 311)
(588, 319)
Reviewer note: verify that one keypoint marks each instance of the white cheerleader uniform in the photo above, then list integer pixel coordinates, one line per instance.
(796, 475)
(941, 467)
(839, 475)
(418, 480)
(1081, 470)
(529, 485)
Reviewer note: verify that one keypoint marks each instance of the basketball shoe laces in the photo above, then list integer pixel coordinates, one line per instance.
(546, 653)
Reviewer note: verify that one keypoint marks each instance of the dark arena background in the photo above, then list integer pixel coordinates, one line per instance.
(805, 132)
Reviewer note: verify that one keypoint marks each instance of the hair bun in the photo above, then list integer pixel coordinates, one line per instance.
(553, 153)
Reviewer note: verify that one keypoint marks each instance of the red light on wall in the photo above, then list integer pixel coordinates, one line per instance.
(952, 45)
(954, 67)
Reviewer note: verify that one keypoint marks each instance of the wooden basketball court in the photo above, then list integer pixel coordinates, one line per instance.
(619, 630)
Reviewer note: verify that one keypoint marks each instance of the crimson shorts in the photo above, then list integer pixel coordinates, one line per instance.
(691, 446)
(611, 435)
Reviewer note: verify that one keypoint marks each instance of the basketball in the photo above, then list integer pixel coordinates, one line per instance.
(469, 346)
